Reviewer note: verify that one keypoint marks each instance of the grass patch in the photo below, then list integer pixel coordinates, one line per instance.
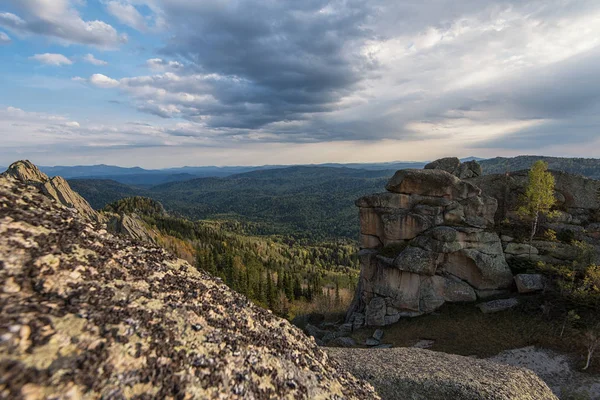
(465, 330)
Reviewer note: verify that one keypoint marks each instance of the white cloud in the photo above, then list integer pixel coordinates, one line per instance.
(127, 14)
(103, 81)
(4, 38)
(52, 59)
(72, 124)
(158, 64)
(60, 20)
(89, 58)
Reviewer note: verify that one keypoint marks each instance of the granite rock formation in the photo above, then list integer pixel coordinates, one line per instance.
(85, 314)
(417, 374)
(56, 188)
(426, 241)
(447, 233)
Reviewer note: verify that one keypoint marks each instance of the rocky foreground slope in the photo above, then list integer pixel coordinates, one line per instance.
(416, 374)
(85, 314)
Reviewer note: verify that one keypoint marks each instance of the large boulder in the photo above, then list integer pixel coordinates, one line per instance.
(448, 164)
(86, 314)
(452, 165)
(417, 374)
(431, 182)
(527, 283)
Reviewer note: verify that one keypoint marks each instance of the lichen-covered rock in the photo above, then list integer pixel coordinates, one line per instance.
(85, 314)
(417, 374)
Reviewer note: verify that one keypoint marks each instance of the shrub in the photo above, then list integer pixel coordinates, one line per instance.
(566, 235)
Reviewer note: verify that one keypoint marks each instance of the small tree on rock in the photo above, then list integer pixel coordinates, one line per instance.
(539, 195)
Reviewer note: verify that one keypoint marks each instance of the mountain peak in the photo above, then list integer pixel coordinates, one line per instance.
(26, 171)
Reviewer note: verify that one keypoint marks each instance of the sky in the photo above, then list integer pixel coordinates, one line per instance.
(165, 83)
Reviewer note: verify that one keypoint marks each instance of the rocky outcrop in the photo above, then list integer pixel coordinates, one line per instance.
(423, 243)
(417, 374)
(130, 225)
(56, 188)
(86, 314)
(434, 237)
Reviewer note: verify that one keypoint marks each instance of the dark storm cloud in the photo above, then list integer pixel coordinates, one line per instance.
(289, 57)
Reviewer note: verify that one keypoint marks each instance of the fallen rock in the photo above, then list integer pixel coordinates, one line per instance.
(497, 305)
(378, 334)
(100, 316)
(527, 283)
(416, 374)
(371, 342)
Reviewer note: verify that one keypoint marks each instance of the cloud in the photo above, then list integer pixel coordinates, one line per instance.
(4, 38)
(318, 71)
(103, 81)
(89, 58)
(52, 59)
(60, 20)
(127, 14)
(158, 64)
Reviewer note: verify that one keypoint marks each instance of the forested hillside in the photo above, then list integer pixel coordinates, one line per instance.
(286, 275)
(312, 202)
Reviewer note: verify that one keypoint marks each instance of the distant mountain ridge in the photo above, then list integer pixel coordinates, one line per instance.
(588, 167)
